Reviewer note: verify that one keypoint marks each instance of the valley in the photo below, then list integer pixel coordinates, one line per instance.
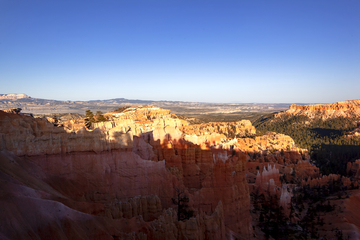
(203, 112)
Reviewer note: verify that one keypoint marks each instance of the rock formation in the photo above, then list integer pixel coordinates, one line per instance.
(117, 180)
(285, 200)
(271, 142)
(320, 181)
(349, 108)
(121, 178)
(224, 130)
(320, 195)
(354, 133)
(31, 208)
(268, 181)
(305, 169)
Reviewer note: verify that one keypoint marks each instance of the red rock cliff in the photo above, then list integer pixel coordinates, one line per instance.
(349, 108)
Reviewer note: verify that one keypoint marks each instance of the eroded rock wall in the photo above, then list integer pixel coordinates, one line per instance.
(215, 133)
(349, 108)
(98, 171)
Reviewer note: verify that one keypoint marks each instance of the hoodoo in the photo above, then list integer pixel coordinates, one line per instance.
(144, 173)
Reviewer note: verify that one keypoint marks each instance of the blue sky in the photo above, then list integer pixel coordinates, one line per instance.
(179, 50)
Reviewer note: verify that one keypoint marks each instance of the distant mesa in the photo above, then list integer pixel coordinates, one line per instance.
(13, 96)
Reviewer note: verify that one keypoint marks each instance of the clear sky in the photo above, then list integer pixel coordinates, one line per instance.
(304, 51)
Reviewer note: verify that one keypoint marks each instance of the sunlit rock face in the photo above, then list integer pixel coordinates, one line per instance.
(29, 136)
(279, 151)
(24, 135)
(271, 141)
(241, 128)
(215, 133)
(118, 180)
(349, 108)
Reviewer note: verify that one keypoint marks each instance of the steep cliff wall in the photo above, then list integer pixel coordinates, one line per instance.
(32, 209)
(117, 170)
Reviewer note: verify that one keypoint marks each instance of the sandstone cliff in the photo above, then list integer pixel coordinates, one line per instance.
(119, 178)
(349, 108)
(31, 208)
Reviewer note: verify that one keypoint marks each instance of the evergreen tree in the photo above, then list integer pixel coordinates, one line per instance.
(89, 118)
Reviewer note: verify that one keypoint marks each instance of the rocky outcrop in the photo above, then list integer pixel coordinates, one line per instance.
(12, 110)
(354, 133)
(268, 181)
(271, 142)
(28, 136)
(271, 148)
(241, 128)
(217, 133)
(349, 108)
(144, 113)
(304, 169)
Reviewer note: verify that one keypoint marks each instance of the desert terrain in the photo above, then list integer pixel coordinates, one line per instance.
(203, 112)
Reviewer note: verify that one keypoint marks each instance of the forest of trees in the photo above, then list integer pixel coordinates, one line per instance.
(326, 140)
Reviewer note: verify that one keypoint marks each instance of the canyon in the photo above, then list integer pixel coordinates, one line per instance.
(145, 173)
(119, 179)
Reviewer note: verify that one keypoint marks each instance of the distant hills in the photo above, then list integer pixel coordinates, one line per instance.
(46, 106)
